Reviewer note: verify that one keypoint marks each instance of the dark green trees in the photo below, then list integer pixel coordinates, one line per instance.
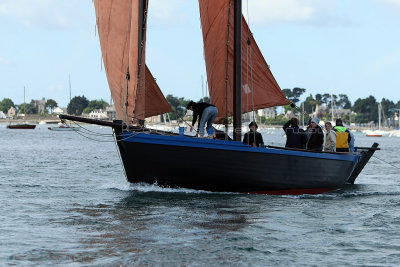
(77, 105)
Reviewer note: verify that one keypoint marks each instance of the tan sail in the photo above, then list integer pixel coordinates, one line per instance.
(260, 89)
(119, 32)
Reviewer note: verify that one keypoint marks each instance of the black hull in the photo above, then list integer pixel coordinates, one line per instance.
(22, 126)
(231, 171)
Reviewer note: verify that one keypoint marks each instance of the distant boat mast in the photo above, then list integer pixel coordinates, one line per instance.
(24, 105)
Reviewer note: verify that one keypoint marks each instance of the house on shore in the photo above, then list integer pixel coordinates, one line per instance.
(58, 111)
(98, 114)
(11, 112)
(40, 105)
(111, 113)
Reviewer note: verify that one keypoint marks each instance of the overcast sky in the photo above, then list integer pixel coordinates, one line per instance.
(333, 46)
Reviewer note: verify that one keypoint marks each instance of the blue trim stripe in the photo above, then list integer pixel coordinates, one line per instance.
(228, 145)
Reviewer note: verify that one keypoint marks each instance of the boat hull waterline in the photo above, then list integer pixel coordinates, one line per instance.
(226, 166)
(22, 126)
(63, 128)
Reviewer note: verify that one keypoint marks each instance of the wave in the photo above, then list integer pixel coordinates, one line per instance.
(341, 193)
(347, 192)
(145, 188)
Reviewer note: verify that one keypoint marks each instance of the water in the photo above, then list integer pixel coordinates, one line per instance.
(64, 200)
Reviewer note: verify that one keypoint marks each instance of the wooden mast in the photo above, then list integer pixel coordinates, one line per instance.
(237, 72)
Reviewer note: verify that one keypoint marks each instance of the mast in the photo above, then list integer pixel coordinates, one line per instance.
(332, 106)
(379, 115)
(69, 81)
(24, 106)
(202, 87)
(237, 72)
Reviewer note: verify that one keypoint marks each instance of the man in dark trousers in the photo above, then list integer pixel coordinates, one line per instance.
(206, 113)
(296, 137)
(316, 140)
(253, 138)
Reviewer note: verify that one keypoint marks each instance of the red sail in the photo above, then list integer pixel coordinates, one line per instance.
(119, 30)
(155, 101)
(260, 89)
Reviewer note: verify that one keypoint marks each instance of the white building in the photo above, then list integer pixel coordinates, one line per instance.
(2, 115)
(58, 110)
(111, 113)
(267, 112)
(154, 119)
(98, 114)
(11, 112)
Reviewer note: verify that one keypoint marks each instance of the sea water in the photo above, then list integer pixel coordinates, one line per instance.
(65, 201)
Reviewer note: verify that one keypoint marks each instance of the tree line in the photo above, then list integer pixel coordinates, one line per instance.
(365, 109)
(77, 106)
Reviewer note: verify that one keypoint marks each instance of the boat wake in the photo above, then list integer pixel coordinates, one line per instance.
(343, 194)
(145, 188)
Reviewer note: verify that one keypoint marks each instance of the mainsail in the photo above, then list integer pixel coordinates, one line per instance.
(122, 32)
(260, 89)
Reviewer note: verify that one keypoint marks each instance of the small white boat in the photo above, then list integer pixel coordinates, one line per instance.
(64, 127)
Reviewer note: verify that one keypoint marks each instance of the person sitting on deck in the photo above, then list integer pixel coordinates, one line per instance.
(330, 140)
(316, 140)
(343, 137)
(206, 113)
(253, 138)
(296, 137)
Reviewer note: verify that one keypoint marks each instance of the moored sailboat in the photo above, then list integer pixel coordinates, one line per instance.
(64, 127)
(25, 125)
(176, 160)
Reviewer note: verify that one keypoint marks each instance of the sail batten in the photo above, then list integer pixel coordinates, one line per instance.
(260, 87)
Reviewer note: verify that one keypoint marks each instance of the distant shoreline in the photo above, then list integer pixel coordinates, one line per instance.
(53, 120)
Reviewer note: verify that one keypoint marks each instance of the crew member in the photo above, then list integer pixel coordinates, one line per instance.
(253, 138)
(295, 136)
(206, 113)
(316, 140)
(343, 137)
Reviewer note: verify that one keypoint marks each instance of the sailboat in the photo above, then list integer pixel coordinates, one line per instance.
(176, 160)
(24, 126)
(379, 132)
(62, 126)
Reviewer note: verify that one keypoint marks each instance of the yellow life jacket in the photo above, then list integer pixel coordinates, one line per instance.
(342, 138)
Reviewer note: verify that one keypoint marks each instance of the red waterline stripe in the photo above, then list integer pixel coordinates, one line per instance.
(313, 191)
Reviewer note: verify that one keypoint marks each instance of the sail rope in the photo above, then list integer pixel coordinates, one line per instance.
(394, 166)
(249, 65)
(87, 136)
(91, 134)
(227, 66)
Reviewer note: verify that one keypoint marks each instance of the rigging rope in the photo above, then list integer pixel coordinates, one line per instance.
(394, 166)
(227, 66)
(249, 64)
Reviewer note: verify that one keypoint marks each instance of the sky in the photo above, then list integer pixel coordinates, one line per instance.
(330, 46)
